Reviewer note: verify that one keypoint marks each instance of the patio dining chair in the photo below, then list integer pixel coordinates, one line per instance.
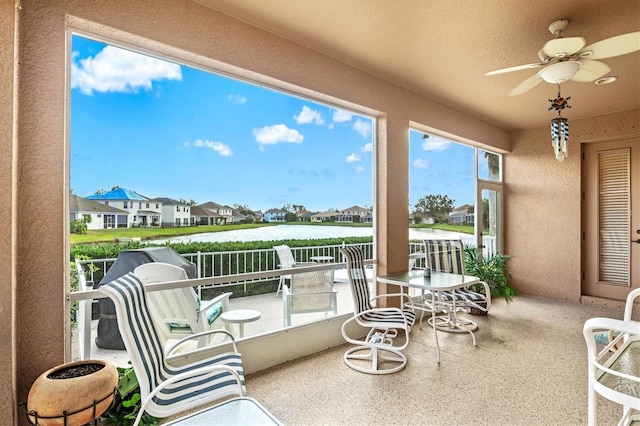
(378, 352)
(310, 292)
(285, 256)
(167, 389)
(448, 256)
(179, 312)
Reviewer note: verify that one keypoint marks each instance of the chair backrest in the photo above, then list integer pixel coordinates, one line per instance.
(138, 330)
(285, 256)
(312, 290)
(445, 256)
(178, 303)
(628, 308)
(354, 257)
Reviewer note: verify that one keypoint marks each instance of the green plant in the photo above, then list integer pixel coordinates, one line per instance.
(491, 269)
(127, 402)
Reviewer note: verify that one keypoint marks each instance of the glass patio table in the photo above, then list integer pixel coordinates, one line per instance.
(244, 411)
(433, 284)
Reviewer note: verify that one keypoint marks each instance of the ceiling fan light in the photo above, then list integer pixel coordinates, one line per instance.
(560, 72)
(606, 80)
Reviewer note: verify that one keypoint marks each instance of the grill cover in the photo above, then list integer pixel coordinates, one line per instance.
(108, 333)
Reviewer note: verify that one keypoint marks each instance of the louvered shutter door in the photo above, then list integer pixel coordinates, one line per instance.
(614, 207)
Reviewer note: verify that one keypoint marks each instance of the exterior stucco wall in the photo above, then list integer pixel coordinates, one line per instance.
(542, 208)
(185, 30)
(8, 400)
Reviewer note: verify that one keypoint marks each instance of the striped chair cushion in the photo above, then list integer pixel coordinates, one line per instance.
(463, 296)
(375, 317)
(147, 356)
(389, 317)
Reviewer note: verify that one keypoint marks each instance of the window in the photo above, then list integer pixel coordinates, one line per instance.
(326, 152)
(457, 184)
(125, 205)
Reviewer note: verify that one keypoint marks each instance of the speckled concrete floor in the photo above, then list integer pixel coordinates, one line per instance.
(528, 368)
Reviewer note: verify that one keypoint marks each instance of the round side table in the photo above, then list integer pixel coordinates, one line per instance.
(240, 316)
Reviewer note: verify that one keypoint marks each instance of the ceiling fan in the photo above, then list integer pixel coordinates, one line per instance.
(567, 58)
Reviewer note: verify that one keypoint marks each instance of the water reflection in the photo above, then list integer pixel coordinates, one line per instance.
(300, 232)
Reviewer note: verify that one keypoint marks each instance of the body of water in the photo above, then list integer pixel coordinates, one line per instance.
(301, 232)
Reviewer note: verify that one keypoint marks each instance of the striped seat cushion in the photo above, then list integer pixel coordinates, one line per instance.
(389, 317)
(462, 296)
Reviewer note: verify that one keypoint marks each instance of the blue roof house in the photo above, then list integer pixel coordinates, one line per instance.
(141, 210)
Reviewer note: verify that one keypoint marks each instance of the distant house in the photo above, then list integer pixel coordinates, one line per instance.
(328, 216)
(174, 213)
(304, 216)
(460, 215)
(355, 214)
(275, 215)
(101, 216)
(142, 211)
(225, 213)
(203, 216)
(237, 217)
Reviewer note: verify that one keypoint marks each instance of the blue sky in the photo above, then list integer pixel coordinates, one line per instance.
(165, 130)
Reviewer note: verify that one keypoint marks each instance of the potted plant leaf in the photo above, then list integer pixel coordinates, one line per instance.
(127, 402)
(491, 269)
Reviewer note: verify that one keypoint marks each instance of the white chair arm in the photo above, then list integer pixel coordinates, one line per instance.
(187, 375)
(171, 348)
(405, 296)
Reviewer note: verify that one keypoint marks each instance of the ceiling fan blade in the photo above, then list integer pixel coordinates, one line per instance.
(526, 85)
(516, 68)
(564, 46)
(590, 71)
(614, 46)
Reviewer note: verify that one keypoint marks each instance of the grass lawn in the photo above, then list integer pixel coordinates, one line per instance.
(110, 235)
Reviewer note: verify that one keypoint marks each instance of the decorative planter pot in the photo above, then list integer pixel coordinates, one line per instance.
(75, 393)
(476, 311)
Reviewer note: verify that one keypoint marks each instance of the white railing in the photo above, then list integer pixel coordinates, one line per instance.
(214, 269)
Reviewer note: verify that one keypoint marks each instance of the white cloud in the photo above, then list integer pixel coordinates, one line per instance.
(340, 116)
(434, 143)
(236, 99)
(367, 147)
(270, 135)
(119, 70)
(308, 115)
(421, 164)
(218, 147)
(362, 127)
(352, 158)
(359, 169)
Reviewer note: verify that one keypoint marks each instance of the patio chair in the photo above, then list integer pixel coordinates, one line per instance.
(614, 371)
(166, 389)
(377, 352)
(310, 292)
(285, 256)
(179, 312)
(448, 256)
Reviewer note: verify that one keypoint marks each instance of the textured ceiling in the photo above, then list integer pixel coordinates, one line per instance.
(442, 48)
